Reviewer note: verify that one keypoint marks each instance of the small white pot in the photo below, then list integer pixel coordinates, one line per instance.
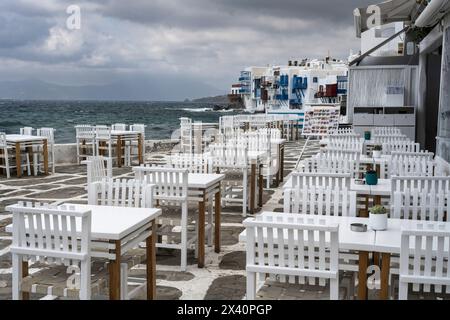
(376, 154)
(378, 222)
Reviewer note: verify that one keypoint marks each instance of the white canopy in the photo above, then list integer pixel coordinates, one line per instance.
(391, 11)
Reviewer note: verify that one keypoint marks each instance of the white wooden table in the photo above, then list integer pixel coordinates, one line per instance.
(18, 141)
(122, 136)
(202, 187)
(382, 242)
(114, 231)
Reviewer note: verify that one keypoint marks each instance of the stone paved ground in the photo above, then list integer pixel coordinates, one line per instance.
(223, 278)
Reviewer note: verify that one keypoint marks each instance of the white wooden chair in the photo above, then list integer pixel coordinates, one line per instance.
(233, 162)
(424, 259)
(85, 136)
(411, 167)
(341, 154)
(119, 127)
(132, 150)
(421, 205)
(389, 139)
(186, 139)
(103, 141)
(429, 184)
(401, 146)
(28, 131)
(48, 133)
(61, 244)
(310, 252)
(6, 157)
(194, 163)
(171, 188)
(386, 131)
(121, 193)
(98, 168)
(316, 200)
(323, 180)
(330, 165)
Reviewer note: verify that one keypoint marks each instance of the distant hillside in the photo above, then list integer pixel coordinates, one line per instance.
(219, 100)
(138, 88)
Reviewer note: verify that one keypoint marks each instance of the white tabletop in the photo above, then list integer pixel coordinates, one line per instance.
(383, 188)
(278, 141)
(365, 159)
(257, 155)
(114, 223)
(203, 181)
(348, 239)
(14, 138)
(123, 132)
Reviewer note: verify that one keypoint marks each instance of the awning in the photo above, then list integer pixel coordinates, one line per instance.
(391, 11)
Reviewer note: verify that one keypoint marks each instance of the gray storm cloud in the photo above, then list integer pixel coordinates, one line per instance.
(200, 41)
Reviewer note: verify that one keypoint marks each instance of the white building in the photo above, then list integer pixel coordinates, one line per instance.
(275, 89)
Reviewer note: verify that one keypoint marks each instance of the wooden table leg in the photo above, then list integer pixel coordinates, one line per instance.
(140, 149)
(25, 273)
(114, 273)
(260, 187)
(385, 268)
(217, 217)
(201, 231)
(377, 200)
(45, 151)
(119, 151)
(282, 164)
(252, 188)
(362, 276)
(365, 213)
(151, 264)
(18, 160)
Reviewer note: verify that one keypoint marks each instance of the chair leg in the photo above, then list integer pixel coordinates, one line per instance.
(36, 164)
(402, 291)
(334, 289)
(184, 217)
(251, 285)
(85, 280)
(16, 276)
(124, 281)
(7, 168)
(78, 152)
(28, 165)
(245, 194)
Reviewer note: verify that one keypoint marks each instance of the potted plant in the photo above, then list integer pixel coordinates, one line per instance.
(378, 218)
(376, 153)
(371, 178)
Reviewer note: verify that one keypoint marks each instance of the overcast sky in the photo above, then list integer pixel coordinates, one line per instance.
(197, 40)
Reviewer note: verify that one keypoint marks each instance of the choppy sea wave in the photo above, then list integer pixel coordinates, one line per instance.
(161, 118)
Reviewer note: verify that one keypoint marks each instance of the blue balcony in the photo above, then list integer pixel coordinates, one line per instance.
(299, 83)
(284, 81)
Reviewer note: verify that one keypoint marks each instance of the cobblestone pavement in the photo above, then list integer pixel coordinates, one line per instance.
(223, 277)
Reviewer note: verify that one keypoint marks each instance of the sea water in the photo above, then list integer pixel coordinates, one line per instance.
(161, 118)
